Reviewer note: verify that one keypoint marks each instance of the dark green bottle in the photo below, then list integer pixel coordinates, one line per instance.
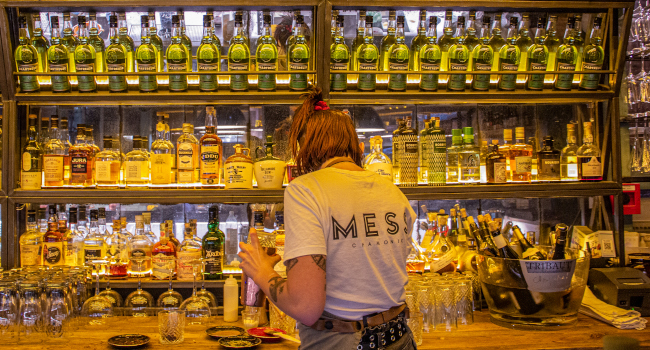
(213, 246)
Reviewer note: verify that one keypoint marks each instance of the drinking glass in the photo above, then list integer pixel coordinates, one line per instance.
(415, 322)
(114, 297)
(171, 326)
(170, 298)
(8, 311)
(280, 320)
(633, 94)
(250, 317)
(57, 309)
(30, 312)
(203, 293)
(97, 307)
(197, 310)
(424, 302)
(139, 300)
(464, 301)
(446, 318)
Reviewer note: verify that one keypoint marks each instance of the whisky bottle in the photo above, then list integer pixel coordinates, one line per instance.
(495, 166)
(408, 169)
(69, 40)
(136, 165)
(139, 246)
(437, 149)
(452, 156)
(108, 164)
(178, 59)
(53, 157)
(430, 58)
(85, 59)
(30, 174)
(552, 41)
(367, 59)
(339, 59)
(146, 57)
(97, 42)
(377, 161)
(388, 41)
(423, 153)
(185, 39)
(592, 57)
(156, 41)
(213, 247)
(116, 59)
(26, 57)
(418, 41)
(117, 252)
(566, 59)
(358, 40)
(589, 165)
(537, 58)
(505, 150)
(31, 243)
(298, 57)
(162, 156)
(549, 162)
(208, 58)
(239, 58)
(524, 41)
(126, 41)
(211, 153)
(53, 252)
(40, 43)
(520, 155)
(81, 164)
(58, 59)
(160, 266)
(509, 57)
(458, 58)
(397, 149)
(398, 59)
(569, 156)
(445, 42)
(482, 56)
(187, 147)
(469, 160)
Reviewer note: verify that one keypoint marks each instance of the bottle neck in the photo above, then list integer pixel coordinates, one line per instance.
(512, 33)
(93, 27)
(399, 32)
(460, 30)
(23, 35)
(207, 33)
(123, 28)
(588, 138)
(571, 138)
(83, 33)
(267, 29)
(94, 227)
(422, 28)
(239, 30)
(114, 35)
(38, 30)
(67, 27)
(56, 35)
(31, 133)
(392, 24)
(540, 36)
(54, 133)
(31, 226)
(485, 31)
(176, 34)
(144, 34)
(596, 35)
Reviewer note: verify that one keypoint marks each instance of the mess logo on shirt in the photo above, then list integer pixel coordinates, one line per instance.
(370, 229)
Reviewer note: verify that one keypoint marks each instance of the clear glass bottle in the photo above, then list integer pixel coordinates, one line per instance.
(484, 151)
(31, 159)
(443, 252)
(156, 41)
(430, 58)
(524, 41)
(69, 40)
(482, 56)
(552, 41)
(495, 165)
(398, 59)
(126, 41)
(520, 156)
(213, 247)
(44, 132)
(569, 156)
(566, 59)
(208, 58)
(31, 243)
(41, 44)
(116, 59)
(377, 161)
(211, 154)
(75, 241)
(108, 164)
(26, 57)
(162, 156)
(94, 244)
(58, 59)
(358, 40)
(367, 59)
(298, 55)
(549, 162)
(509, 57)
(469, 159)
(118, 254)
(146, 58)
(187, 147)
(538, 56)
(215, 39)
(589, 165)
(388, 41)
(85, 59)
(139, 246)
(178, 59)
(96, 42)
(418, 41)
(592, 57)
(136, 166)
(339, 59)
(452, 156)
(189, 250)
(458, 58)
(239, 56)
(54, 157)
(505, 150)
(266, 57)
(445, 42)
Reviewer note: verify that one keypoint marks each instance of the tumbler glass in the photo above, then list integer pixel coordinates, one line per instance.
(414, 322)
(282, 321)
(464, 301)
(446, 317)
(171, 326)
(8, 312)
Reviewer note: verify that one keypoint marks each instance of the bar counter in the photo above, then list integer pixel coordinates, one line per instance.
(586, 335)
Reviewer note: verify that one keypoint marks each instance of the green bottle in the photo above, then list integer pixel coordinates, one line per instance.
(458, 58)
(84, 59)
(68, 39)
(239, 57)
(566, 59)
(496, 40)
(146, 58)
(358, 40)
(524, 42)
(579, 38)
(40, 43)
(213, 247)
(116, 59)
(184, 38)
(398, 59)
(445, 42)
(437, 148)
(298, 57)
(96, 42)
(26, 57)
(208, 58)
(367, 59)
(509, 57)
(483, 56)
(430, 57)
(592, 57)
(552, 41)
(127, 42)
(58, 59)
(215, 38)
(537, 58)
(418, 41)
(178, 59)
(339, 59)
(266, 58)
(156, 41)
(388, 41)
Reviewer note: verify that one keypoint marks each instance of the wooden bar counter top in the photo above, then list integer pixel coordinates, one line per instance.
(586, 335)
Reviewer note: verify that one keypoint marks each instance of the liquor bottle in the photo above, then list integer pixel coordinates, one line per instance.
(211, 153)
(408, 162)
(458, 58)
(524, 41)
(452, 156)
(239, 58)
(101, 222)
(136, 166)
(529, 252)
(81, 164)
(108, 164)
(377, 161)
(566, 59)
(552, 41)
(437, 159)
(188, 156)
(471, 40)
(505, 150)
(178, 59)
(127, 42)
(74, 241)
(430, 58)
(299, 54)
(520, 155)
(484, 243)
(432, 228)
(335, 14)
(592, 57)
(146, 222)
(26, 57)
(44, 132)
(534, 164)
(445, 42)
(358, 40)
(94, 244)
(503, 248)
(31, 165)
(156, 41)
(85, 59)
(40, 43)
(215, 38)
(185, 39)
(189, 250)
(53, 157)
(398, 59)
(483, 153)
(116, 59)
(561, 232)
(146, 58)
(69, 40)
(53, 252)
(469, 159)
(171, 235)
(538, 56)
(123, 229)
(367, 59)
(213, 247)
(280, 268)
(159, 252)
(139, 246)
(31, 243)
(418, 41)
(423, 159)
(298, 21)
(208, 58)
(452, 234)
(579, 39)
(339, 59)
(397, 150)
(238, 169)
(118, 254)
(589, 165)
(82, 225)
(569, 156)
(443, 252)
(58, 59)
(482, 57)
(496, 166)
(162, 156)
(509, 57)
(388, 41)
(269, 170)
(96, 42)
(496, 40)
(549, 162)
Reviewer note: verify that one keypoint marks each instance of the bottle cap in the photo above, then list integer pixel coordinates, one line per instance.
(231, 281)
(486, 20)
(456, 136)
(339, 21)
(22, 22)
(598, 21)
(267, 19)
(519, 133)
(144, 21)
(369, 20)
(113, 21)
(176, 22)
(548, 141)
(507, 134)
(81, 20)
(207, 21)
(94, 215)
(433, 21)
(400, 20)
(441, 212)
(31, 215)
(188, 128)
(513, 21)
(461, 20)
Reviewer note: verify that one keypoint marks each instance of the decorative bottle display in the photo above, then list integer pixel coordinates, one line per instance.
(566, 59)
(179, 59)
(239, 169)
(482, 57)
(367, 59)
(58, 59)
(211, 153)
(31, 164)
(116, 59)
(592, 57)
(430, 56)
(589, 165)
(537, 58)
(269, 170)
(85, 59)
(266, 57)
(377, 161)
(437, 149)
(458, 58)
(146, 57)
(239, 57)
(520, 155)
(398, 59)
(509, 57)
(26, 57)
(339, 59)
(213, 247)
(298, 55)
(187, 148)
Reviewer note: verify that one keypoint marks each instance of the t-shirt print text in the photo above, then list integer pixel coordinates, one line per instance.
(370, 225)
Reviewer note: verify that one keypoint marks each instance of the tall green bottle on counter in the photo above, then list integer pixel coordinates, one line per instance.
(213, 247)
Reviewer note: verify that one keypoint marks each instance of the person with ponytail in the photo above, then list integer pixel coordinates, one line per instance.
(348, 234)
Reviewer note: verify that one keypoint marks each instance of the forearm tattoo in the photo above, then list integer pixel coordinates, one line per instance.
(320, 260)
(276, 287)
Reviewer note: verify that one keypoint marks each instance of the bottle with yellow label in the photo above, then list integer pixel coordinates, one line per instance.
(269, 170)
(53, 157)
(211, 151)
(239, 169)
(107, 166)
(136, 166)
(162, 157)
(30, 174)
(187, 156)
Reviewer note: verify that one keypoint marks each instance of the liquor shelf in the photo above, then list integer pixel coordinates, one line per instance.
(147, 283)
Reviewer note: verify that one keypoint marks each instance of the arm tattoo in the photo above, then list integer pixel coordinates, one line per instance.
(276, 286)
(291, 263)
(320, 260)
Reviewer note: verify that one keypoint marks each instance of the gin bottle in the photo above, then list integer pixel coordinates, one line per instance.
(430, 57)
(156, 41)
(358, 39)
(537, 58)
(496, 40)
(524, 42)
(397, 149)
(388, 41)
(339, 59)
(445, 42)
(509, 57)
(452, 156)
(458, 58)
(419, 41)
(367, 56)
(126, 41)
(408, 170)
(423, 167)
(299, 54)
(398, 59)
(69, 40)
(552, 41)
(96, 42)
(40, 43)
(437, 158)
(483, 55)
(58, 59)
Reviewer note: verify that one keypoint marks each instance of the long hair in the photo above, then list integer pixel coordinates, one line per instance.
(317, 136)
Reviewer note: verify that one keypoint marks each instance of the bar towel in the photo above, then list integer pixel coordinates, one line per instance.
(617, 317)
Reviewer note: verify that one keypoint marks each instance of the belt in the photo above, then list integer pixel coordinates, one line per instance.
(341, 326)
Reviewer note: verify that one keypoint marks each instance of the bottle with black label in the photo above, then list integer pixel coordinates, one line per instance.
(81, 170)
(408, 169)
(561, 231)
(213, 247)
(548, 162)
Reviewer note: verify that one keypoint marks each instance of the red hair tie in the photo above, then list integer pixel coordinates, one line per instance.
(321, 106)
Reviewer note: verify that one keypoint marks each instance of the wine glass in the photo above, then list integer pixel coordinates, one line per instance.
(170, 298)
(97, 307)
(114, 297)
(205, 294)
(197, 310)
(139, 300)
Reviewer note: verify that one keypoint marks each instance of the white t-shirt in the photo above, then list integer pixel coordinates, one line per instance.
(363, 223)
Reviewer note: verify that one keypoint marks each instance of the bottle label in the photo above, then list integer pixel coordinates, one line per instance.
(92, 254)
(590, 80)
(564, 81)
(186, 153)
(500, 174)
(53, 253)
(147, 83)
(508, 81)
(238, 82)
(53, 168)
(572, 169)
(27, 161)
(86, 83)
(338, 82)
(266, 82)
(383, 169)
(116, 83)
(550, 169)
(408, 171)
(70, 253)
(481, 82)
(536, 81)
(177, 82)
(79, 165)
(457, 81)
(161, 265)
(523, 164)
(30, 180)
(499, 241)
(411, 147)
(133, 170)
(103, 171)
(208, 82)
(429, 82)
(469, 166)
(28, 83)
(239, 175)
(30, 254)
(214, 260)
(397, 82)
(590, 166)
(60, 83)
(367, 82)
(161, 169)
(437, 159)
(548, 276)
(210, 161)
(298, 81)
(184, 270)
(444, 261)
(140, 253)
